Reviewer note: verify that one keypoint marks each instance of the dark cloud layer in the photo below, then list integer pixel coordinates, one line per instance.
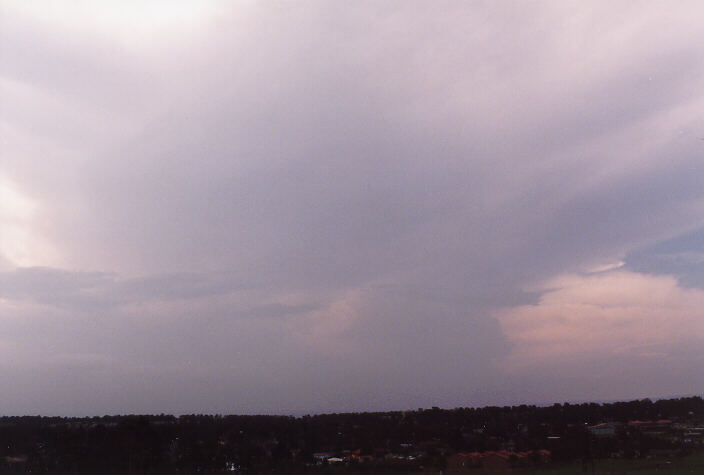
(313, 207)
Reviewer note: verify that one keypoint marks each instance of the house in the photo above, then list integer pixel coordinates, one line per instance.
(659, 427)
(17, 463)
(649, 425)
(464, 461)
(321, 457)
(605, 429)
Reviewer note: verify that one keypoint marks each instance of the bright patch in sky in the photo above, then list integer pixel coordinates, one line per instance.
(15, 213)
(129, 17)
(13, 205)
(19, 243)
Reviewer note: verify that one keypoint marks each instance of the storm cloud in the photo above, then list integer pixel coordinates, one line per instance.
(315, 206)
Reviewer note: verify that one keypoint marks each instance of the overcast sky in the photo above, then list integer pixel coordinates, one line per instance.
(297, 207)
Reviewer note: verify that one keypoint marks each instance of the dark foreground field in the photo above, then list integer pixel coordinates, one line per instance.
(689, 465)
(693, 464)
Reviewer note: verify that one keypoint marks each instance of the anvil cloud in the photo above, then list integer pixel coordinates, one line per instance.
(315, 206)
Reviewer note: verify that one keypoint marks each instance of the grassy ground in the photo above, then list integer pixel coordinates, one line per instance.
(689, 465)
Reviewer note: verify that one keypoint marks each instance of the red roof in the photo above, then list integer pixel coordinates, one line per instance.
(661, 421)
(505, 454)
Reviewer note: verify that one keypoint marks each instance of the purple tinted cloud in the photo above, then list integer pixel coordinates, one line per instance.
(322, 207)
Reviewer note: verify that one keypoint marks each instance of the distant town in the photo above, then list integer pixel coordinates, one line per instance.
(521, 437)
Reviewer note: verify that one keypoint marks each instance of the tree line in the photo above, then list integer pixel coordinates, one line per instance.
(144, 443)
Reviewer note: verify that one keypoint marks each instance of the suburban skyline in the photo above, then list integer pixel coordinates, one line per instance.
(273, 207)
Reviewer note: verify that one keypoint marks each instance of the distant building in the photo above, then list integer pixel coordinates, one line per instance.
(606, 429)
(659, 427)
(321, 457)
(647, 425)
(15, 463)
(464, 461)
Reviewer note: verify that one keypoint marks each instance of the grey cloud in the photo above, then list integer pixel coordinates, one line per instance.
(278, 310)
(53, 286)
(410, 167)
(97, 290)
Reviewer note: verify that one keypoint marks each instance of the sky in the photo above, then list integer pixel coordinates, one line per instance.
(311, 206)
